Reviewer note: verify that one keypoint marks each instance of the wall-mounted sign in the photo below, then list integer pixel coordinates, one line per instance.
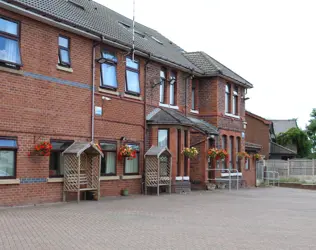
(98, 110)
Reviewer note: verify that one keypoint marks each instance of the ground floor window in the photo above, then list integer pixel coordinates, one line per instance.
(163, 137)
(132, 166)
(56, 160)
(8, 149)
(108, 162)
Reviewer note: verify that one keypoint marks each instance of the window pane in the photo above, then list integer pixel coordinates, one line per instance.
(235, 105)
(131, 64)
(8, 143)
(9, 50)
(171, 94)
(64, 42)
(108, 163)
(106, 146)
(60, 145)
(109, 75)
(64, 55)
(163, 138)
(227, 88)
(236, 91)
(7, 159)
(56, 164)
(8, 27)
(132, 81)
(109, 56)
(134, 146)
(193, 99)
(131, 166)
(162, 74)
(162, 92)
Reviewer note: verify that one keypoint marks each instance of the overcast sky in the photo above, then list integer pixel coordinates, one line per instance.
(270, 43)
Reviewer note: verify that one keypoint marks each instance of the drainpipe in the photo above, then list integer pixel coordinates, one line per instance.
(93, 90)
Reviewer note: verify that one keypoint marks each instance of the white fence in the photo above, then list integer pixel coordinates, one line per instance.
(302, 169)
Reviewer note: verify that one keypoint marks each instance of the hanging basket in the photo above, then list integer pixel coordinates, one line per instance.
(126, 152)
(257, 157)
(221, 154)
(190, 152)
(212, 153)
(41, 149)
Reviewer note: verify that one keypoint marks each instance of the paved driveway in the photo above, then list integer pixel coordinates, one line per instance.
(267, 218)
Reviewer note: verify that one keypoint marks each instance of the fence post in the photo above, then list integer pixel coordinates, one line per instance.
(288, 168)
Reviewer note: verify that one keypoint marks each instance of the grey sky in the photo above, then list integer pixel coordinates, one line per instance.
(270, 43)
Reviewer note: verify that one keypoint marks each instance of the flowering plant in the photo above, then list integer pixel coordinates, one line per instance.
(190, 152)
(212, 153)
(127, 151)
(42, 149)
(221, 154)
(244, 155)
(257, 156)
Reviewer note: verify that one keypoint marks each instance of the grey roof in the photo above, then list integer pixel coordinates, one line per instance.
(212, 67)
(204, 126)
(281, 126)
(279, 149)
(79, 147)
(99, 20)
(168, 116)
(157, 151)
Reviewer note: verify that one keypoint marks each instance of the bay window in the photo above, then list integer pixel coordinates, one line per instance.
(173, 80)
(132, 76)
(162, 86)
(9, 43)
(8, 149)
(108, 71)
(131, 167)
(108, 162)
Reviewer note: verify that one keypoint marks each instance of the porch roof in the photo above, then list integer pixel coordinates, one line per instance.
(204, 126)
(157, 151)
(79, 147)
(279, 149)
(250, 145)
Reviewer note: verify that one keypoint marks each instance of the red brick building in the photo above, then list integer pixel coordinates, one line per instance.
(73, 75)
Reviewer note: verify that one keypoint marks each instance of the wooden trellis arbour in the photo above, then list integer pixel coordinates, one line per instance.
(158, 168)
(82, 162)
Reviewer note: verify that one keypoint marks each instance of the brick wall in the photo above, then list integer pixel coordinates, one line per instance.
(257, 131)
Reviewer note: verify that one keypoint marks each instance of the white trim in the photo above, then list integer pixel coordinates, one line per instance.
(52, 180)
(133, 97)
(179, 178)
(130, 177)
(231, 115)
(109, 178)
(194, 111)
(9, 181)
(112, 92)
(69, 70)
(168, 106)
(231, 174)
(186, 178)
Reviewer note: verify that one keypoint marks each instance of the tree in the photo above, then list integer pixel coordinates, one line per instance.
(311, 130)
(297, 137)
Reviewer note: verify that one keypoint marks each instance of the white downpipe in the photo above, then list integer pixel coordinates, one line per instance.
(93, 92)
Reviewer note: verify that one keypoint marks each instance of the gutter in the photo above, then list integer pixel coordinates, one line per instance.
(106, 39)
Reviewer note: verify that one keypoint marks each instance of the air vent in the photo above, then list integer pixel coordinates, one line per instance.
(78, 5)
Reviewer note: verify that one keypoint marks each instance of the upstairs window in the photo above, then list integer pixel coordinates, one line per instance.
(132, 76)
(108, 162)
(56, 159)
(162, 86)
(193, 106)
(8, 149)
(163, 138)
(108, 71)
(64, 51)
(173, 80)
(235, 101)
(227, 98)
(9, 43)
(132, 166)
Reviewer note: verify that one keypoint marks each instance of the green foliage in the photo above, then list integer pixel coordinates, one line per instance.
(290, 179)
(297, 137)
(311, 131)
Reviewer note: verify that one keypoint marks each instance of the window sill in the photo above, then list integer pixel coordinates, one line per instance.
(131, 177)
(10, 70)
(168, 106)
(231, 115)
(194, 111)
(109, 178)
(10, 182)
(57, 179)
(69, 70)
(108, 91)
(133, 97)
